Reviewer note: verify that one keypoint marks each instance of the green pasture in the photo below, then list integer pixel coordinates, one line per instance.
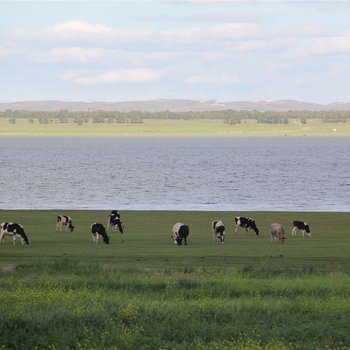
(171, 128)
(146, 242)
(143, 292)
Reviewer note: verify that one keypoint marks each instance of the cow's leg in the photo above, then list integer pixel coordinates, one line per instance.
(57, 225)
(2, 238)
(294, 231)
(13, 239)
(303, 232)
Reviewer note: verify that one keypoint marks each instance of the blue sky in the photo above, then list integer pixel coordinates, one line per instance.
(140, 50)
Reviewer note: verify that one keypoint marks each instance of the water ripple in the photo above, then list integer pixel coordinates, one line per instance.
(302, 174)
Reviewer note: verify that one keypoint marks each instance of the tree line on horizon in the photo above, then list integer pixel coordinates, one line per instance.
(228, 116)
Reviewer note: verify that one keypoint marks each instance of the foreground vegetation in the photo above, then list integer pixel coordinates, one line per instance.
(143, 292)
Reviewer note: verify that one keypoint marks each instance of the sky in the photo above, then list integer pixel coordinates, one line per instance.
(205, 50)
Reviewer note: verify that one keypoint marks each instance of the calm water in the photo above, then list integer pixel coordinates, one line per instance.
(306, 174)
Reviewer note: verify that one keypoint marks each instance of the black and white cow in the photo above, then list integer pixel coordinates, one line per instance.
(99, 230)
(302, 226)
(180, 233)
(247, 223)
(14, 230)
(63, 220)
(218, 229)
(115, 221)
(277, 233)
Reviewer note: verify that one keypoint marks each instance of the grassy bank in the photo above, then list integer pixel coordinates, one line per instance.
(171, 128)
(143, 292)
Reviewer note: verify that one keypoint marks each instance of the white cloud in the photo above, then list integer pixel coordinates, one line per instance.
(80, 26)
(224, 31)
(334, 45)
(81, 31)
(307, 31)
(75, 54)
(119, 76)
(6, 51)
(220, 78)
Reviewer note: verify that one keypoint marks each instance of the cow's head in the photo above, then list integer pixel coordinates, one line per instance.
(307, 229)
(106, 239)
(20, 231)
(254, 228)
(221, 237)
(177, 239)
(71, 227)
(282, 239)
(118, 225)
(220, 233)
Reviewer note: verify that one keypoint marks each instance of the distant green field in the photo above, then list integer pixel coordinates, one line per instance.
(143, 292)
(171, 128)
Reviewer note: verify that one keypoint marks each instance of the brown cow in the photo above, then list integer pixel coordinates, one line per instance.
(277, 233)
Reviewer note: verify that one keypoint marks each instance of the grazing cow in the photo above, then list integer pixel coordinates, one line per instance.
(114, 221)
(14, 230)
(99, 230)
(247, 223)
(63, 220)
(300, 225)
(180, 233)
(277, 233)
(218, 228)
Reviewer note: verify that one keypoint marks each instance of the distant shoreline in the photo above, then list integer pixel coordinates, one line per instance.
(171, 128)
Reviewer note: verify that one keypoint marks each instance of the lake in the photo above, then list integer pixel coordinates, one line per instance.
(234, 174)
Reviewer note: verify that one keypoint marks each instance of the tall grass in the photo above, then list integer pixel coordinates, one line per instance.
(90, 307)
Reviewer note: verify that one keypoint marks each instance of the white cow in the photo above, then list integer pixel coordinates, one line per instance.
(63, 220)
(302, 226)
(180, 233)
(218, 230)
(14, 230)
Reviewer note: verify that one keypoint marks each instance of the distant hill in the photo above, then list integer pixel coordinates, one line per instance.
(175, 105)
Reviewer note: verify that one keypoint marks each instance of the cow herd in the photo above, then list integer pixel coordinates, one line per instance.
(64, 222)
(181, 231)
(179, 235)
